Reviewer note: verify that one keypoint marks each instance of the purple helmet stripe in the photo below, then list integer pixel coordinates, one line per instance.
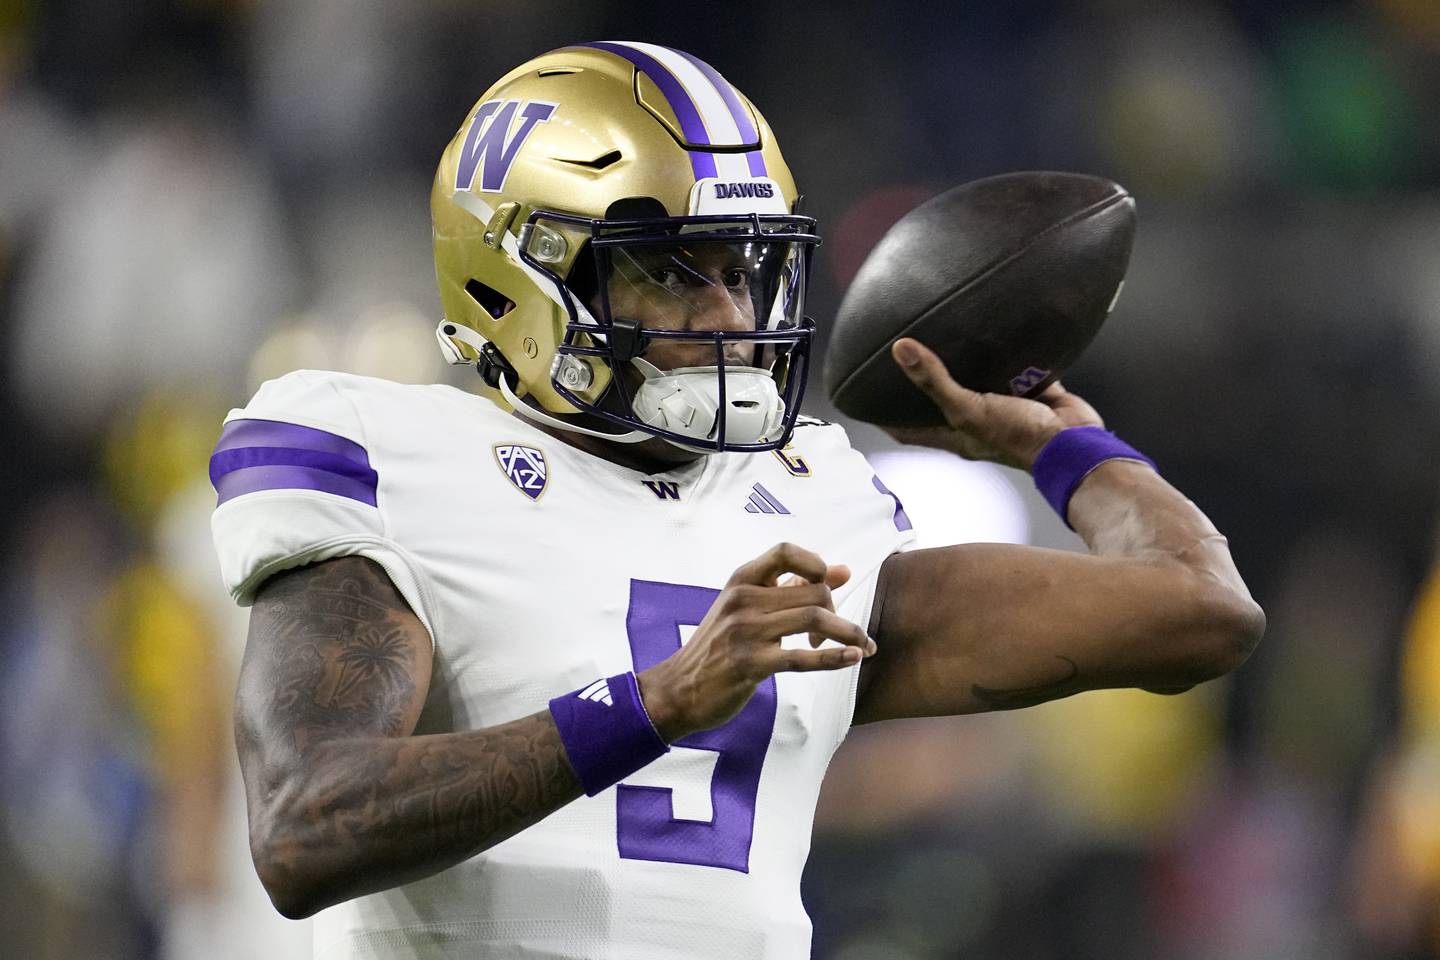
(728, 94)
(757, 163)
(691, 126)
(741, 116)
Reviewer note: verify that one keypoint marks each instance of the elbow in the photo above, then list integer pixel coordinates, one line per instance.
(291, 907)
(1219, 631)
(294, 895)
(292, 885)
(294, 904)
(290, 893)
(1232, 624)
(1245, 626)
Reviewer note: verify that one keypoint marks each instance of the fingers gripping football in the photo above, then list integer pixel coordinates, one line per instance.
(737, 645)
(986, 426)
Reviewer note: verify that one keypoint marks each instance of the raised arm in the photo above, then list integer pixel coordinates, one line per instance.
(1157, 603)
(342, 800)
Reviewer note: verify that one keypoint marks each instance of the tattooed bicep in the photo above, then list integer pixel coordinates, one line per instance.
(334, 651)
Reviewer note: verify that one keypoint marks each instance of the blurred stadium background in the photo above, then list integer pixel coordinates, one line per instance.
(198, 194)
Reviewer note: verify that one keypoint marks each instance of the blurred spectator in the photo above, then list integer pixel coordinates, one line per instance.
(79, 799)
(158, 266)
(1395, 876)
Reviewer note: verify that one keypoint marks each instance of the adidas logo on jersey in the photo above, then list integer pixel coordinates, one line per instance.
(763, 501)
(599, 691)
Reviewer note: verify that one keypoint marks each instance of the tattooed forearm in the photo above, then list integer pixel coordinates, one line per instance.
(996, 699)
(342, 800)
(371, 814)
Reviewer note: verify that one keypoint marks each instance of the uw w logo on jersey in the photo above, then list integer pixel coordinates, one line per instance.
(522, 466)
(664, 489)
(490, 147)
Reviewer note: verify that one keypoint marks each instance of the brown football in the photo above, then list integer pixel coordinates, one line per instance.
(1008, 279)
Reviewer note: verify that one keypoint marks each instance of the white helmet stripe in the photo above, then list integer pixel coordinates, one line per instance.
(482, 211)
(707, 107)
(714, 112)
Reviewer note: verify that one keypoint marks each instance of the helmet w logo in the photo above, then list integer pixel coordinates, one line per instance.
(490, 147)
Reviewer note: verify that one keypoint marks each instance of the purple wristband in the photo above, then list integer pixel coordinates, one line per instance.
(606, 731)
(1070, 456)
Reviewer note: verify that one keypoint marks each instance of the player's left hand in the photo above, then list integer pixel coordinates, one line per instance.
(986, 426)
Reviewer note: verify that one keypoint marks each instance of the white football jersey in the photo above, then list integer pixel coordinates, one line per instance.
(537, 569)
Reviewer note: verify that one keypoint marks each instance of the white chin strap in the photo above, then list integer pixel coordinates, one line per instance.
(684, 401)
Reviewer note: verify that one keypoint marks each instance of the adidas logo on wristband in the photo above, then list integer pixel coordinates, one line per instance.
(606, 732)
(599, 691)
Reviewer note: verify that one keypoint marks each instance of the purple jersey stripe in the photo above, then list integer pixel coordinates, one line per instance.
(691, 126)
(254, 479)
(242, 458)
(741, 116)
(276, 433)
(254, 455)
(902, 522)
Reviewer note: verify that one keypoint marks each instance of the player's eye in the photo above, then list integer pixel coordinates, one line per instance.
(737, 278)
(671, 278)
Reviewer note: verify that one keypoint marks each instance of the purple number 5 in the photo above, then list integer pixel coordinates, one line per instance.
(647, 827)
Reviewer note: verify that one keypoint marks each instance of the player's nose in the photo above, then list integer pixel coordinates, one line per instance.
(718, 309)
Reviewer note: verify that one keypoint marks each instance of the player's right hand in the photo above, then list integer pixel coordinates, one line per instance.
(986, 426)
(737, 645)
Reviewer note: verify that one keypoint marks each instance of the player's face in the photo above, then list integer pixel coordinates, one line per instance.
(697, 287)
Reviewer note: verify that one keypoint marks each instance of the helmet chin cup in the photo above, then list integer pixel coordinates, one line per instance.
(687, 401)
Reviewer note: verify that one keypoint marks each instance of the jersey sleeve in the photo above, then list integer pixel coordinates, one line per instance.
(297, 482)
(876, 527)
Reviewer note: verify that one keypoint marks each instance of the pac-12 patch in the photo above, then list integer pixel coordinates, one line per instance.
(522, 466)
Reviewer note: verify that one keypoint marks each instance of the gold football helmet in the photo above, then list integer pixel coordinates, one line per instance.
(616, 235)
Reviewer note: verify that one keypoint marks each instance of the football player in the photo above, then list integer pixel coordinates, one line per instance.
(633, 511)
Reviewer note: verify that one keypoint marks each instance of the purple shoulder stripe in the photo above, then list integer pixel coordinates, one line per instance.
(277, 433)
(255, 455)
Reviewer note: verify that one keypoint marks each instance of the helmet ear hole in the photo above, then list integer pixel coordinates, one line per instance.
(492, 301)
(584, 281)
